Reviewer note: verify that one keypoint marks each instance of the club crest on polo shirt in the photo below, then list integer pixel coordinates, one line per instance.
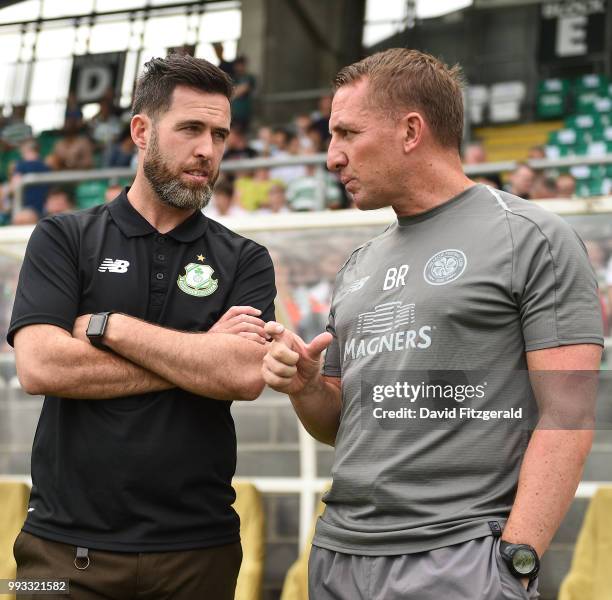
(444, 267)
(198, 280)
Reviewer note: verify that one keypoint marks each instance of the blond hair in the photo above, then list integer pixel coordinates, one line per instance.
(401, 79)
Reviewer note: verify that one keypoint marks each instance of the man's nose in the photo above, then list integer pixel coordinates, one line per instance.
(336, 159)
(204, 147)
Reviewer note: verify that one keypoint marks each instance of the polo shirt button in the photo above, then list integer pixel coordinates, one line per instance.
(161, 257)
(161, 239)
(160, 276)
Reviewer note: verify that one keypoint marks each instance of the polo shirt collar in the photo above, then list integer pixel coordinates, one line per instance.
(132, 224)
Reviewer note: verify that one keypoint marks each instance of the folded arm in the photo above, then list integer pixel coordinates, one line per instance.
(217, 365)
(51, 362)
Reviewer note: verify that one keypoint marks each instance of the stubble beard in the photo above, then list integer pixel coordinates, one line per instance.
(167, 184)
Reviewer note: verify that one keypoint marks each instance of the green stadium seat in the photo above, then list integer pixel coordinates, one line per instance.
(585, 102)
(551, 105)
(592, 82)
(582, 121)
(585, 172)
(563, 137)
(554, 85)
(606, 119)
(554, 151)
(597, 148)
(599, 134)
(581, 149)
(603, 104)
(551, 98)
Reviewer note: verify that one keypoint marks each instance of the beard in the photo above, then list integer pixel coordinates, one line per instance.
(167, 183)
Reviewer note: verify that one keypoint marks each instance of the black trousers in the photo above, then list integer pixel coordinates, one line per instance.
(203, 574)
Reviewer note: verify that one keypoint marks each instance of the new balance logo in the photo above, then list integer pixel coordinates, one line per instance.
(114, 266)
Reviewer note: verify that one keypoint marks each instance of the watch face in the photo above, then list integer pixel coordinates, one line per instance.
(523, 561)
(96, 324)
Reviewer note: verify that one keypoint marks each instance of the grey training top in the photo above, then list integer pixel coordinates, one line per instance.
(455, 295)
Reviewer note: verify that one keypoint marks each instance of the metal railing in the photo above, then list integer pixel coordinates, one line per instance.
(319, 160)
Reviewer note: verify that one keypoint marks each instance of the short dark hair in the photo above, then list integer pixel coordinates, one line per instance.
(153, 94)
(400, 79)
(63, 191)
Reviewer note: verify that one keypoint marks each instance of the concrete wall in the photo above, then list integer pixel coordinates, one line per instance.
(296, 45)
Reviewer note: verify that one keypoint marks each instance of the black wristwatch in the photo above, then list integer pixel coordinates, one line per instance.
(522, 559)
(96, 329)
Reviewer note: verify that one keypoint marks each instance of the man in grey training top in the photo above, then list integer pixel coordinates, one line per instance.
(467, 280)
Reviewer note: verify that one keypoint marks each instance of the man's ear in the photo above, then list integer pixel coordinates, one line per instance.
(412, 127)
(140, 127)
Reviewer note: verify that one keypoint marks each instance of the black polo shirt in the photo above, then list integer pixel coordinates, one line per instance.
(150, 472)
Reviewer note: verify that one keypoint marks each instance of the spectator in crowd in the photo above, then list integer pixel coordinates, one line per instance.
(320, 118)
(237, 146)
(543, 188)
(73, 109)
(16, 130)
(287, 145)
(316, 139)
(226, 66)
(106, 125)
(59, 200)
(26, 216)
(474, 153)
(30, 162)
(262, 144)
(521, 180)
(279, 141)
(122, 152)
(113, 189)
(73, 151)
(222, 203)
(536, 152)
(242, 101)
(303, 193)
(276, 203)
(252, 192)
(302, 123)
(565, 186)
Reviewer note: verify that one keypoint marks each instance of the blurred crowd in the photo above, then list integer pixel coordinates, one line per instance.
(524, 181)
(104, 140)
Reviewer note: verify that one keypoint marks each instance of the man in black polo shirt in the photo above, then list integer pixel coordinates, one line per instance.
(140, 320)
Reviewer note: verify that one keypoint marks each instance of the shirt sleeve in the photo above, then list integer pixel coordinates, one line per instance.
(48, 287)
(254, 284)
(554, 285)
